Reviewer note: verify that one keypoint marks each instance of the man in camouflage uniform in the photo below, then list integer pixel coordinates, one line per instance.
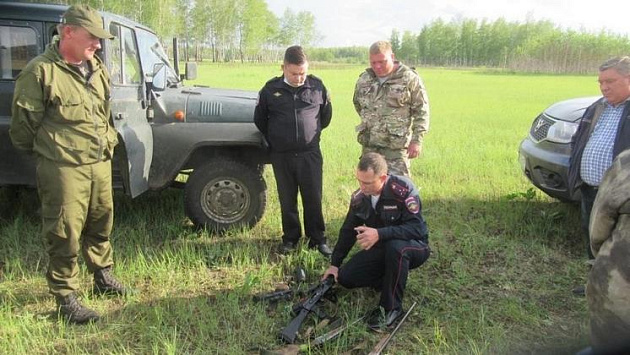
(394, 108)
(608, 289)
(61, 113)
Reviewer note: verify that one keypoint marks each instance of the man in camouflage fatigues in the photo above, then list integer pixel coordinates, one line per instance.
(61, 113)
(394, 108)
(608, 289)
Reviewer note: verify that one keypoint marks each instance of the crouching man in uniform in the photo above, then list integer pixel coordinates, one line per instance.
(385, 218)
(61, 113)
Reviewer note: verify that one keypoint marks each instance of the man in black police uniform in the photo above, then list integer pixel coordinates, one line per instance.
(385, 218)
(291, 112)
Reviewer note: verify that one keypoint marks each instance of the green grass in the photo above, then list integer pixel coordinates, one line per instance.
(499, 280)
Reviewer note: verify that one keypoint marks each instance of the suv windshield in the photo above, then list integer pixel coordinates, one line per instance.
(151, 52)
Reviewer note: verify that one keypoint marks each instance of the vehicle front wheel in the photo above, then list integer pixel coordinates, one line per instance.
(223, 194)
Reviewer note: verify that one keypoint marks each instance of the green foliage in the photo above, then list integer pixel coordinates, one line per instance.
(345, 55)
(247, 31)
(296, 28)
(394, 39)
(531, 46)
(528, 195)
(498, 281)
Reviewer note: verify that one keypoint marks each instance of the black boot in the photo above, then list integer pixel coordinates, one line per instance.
(379, 319)
(74, 312)
(106, 284)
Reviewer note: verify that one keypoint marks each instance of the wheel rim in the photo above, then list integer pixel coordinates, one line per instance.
(225, 200)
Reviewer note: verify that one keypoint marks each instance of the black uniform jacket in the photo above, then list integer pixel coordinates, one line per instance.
(398, 215)
(291, 119)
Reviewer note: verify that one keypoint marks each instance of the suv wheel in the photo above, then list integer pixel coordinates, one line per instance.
(224, 193)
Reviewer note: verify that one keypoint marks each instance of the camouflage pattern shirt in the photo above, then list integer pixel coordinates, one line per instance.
(393, 113)
(608, 289)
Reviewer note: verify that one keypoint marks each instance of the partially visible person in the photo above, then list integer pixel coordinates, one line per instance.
(393, 105)
(608, 289)
(385, 218)
(291, 113)
(61, 114)
(603, 133)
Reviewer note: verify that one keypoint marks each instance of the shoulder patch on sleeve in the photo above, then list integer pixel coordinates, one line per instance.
(356, 198)
(413, 204)
(399, 189)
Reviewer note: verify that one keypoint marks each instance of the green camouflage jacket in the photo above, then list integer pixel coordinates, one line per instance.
(60, 115)
(608, 289)
(393, 113)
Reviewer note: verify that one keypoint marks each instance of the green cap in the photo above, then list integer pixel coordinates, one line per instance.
(86, 17)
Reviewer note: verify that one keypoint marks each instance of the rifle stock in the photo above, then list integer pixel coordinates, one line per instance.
(289, 333)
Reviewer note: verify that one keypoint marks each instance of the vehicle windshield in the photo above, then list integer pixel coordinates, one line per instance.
(152, 52)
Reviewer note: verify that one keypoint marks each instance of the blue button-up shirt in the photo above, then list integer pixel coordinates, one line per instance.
(598, 153)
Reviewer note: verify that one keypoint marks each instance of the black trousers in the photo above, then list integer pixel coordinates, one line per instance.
(384, 267)
(300, 171)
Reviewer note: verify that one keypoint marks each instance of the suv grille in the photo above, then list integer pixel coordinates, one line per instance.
(540, 127)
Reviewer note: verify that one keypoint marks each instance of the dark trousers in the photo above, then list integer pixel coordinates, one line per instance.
(301, 171)
(586, 206)
(384, 267)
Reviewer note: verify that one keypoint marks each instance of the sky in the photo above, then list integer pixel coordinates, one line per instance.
(362, 22)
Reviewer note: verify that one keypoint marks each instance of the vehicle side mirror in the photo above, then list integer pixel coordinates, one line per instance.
(191, 71)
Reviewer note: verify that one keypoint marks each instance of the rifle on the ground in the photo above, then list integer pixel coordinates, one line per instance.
(302, 309)
(284, 295)
(385, 340)
(274, 296)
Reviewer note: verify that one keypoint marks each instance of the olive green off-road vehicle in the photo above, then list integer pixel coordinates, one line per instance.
(165, 128)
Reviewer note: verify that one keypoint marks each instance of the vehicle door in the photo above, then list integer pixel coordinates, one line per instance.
(128, 110)
(20, 41)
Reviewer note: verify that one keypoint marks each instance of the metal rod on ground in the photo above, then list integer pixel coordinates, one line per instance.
(333, 333)
(385, 340)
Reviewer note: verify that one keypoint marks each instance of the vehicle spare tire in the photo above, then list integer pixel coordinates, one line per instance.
(224, 194)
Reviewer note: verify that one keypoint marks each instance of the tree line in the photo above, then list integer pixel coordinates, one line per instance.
(247, 31)
(533, 46)
(217, 30)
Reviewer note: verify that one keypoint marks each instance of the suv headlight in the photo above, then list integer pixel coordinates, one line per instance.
(561, 131)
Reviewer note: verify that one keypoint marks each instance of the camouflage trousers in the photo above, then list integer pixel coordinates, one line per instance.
(77, 216)
(397, 159)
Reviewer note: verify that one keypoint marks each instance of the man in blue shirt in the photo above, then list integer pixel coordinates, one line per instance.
(603, 134)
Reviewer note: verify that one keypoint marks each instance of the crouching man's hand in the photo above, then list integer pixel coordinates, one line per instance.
(366, 236)
(332, 270)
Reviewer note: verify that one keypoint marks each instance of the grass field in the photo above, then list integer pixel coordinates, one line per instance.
(498, 282)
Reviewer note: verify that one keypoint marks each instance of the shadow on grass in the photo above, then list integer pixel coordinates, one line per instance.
(18, 202)
(497, 266)
(223, 321)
